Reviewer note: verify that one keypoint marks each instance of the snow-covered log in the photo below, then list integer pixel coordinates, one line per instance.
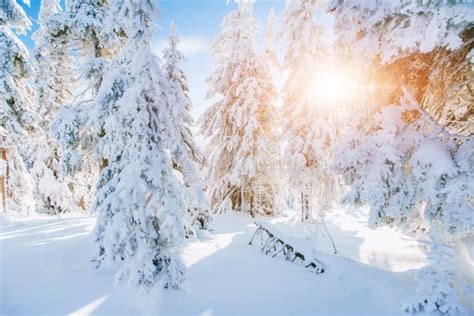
(272, 242)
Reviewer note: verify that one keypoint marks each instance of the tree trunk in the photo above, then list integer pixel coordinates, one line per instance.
(252, 211)
(304, 207)
(104, 163)
(4, 178)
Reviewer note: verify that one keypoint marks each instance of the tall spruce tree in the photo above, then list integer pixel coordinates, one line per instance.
(186, 163)
(140, 203)
(88, 28)
(240, 125)
(271, 36)
(305, 48)
(408, 168)
(17, 119)
(53, 82)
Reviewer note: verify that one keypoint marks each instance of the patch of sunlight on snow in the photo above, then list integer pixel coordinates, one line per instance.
(198, 250)
(384, 247)
(390, 250)
(387, 248)
(18, 232)
(91, 307)
(48, 228)
(47, 240)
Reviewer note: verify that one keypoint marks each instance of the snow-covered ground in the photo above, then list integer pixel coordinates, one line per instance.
(386, 248)
(45, 270)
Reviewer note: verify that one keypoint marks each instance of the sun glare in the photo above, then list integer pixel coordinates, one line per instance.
(331, 87)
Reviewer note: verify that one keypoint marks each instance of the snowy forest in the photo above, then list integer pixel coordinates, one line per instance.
(315, 157)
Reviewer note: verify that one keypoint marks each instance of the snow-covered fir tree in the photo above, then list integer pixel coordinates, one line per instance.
(86, 25)
(53, 82)
(418, 42)
(52, 61)
(186, 163)
(305, 49)
(140, 203)
(404, 165)
(380, 28)
(240, 125)
(271, 36)
(17, 118)
(403, 168)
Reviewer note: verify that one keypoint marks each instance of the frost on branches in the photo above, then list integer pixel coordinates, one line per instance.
(304, 136)
(185, 158)
(271, 36)
(16, 108)
(427, 44)
(396, 29)
(404, 165)
(140, 202)
(240, 125)
(85, 25)
(53, 82)
(411, 173)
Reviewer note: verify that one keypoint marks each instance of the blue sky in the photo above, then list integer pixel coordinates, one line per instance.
(198, 23)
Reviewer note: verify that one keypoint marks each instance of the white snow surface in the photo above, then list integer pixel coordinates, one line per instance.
(46, 270)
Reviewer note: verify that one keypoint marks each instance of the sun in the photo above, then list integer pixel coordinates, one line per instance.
(331, 87)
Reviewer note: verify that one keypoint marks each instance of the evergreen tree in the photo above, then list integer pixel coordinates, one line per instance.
(240, 125)
(185, 162)
(424, 44)
(53, 63)
(140, 203)
(53, 82)
(404, 165)
(88, 28)
(305, 51)
(271, 36)
(17, 120)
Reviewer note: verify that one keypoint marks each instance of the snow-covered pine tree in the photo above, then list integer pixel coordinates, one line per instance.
(53, 82)
(305, 49)
(140, 203)
(17, 117)
(240, 125)
(86, 25)
(403, 168)
(376, 168)
(271, 36)
(442, 174)
(53, 62)
(418, 172)
(425, 44)
(172, 57)
(186, 163)
(271, 61)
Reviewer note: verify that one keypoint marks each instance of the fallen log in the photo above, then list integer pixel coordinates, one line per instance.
(274, 244)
